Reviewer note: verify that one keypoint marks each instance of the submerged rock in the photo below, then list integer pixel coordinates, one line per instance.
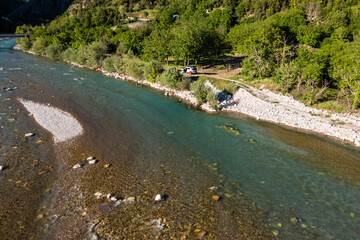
(93, 161)
(294, 220)
(229, 128)
(90, 158)
(252, 140)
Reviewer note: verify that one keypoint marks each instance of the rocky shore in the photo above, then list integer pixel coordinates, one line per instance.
(265, 105)
(262, 104)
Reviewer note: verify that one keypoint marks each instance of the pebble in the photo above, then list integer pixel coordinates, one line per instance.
(130, 199)
(279, 224)
(113, 199)
(90, 158)
(202, 234)
(98, 195)
(213, 188)
(159, 197)
(275, 232)
(294, 220)
(216, 197)
(109, 196)
(78, 166)
(352, 214)
(252, 140)
(93, 161)
(107, 165)
(2, 168)
(29, 134)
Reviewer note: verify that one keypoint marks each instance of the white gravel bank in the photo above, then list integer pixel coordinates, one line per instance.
(269, 106)
(61, 124)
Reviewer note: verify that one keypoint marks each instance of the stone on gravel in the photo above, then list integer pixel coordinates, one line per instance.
(78, 166)
(216, 197)
(90, 158)
(93, 161)
(159, 198)
(29, 134)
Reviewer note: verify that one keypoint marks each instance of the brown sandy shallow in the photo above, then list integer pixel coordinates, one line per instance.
(54, 201)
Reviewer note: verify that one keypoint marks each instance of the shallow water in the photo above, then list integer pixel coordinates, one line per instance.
(287, 173)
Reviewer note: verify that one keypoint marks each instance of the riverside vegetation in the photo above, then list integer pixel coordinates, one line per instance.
(310, 49)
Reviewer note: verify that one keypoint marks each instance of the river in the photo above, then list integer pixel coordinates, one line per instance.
(273, 182)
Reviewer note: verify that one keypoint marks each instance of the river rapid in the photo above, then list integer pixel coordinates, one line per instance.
(273, 182)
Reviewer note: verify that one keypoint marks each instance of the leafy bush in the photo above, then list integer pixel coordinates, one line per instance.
(211, 98)
(25, 43)
(108, 64)
(220, 67)
(185, 84)
(171, 78)
(133, 66)
(94, 54)
(200, 91)
(54, 51)
(39, 46)
(152, 70)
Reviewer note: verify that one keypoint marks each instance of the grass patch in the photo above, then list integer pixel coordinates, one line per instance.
(223, 85)
(332, 105)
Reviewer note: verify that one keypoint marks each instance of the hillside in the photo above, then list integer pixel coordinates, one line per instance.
(309, 49)
(32, 12)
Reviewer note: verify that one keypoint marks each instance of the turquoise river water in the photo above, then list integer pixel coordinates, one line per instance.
(287, 173)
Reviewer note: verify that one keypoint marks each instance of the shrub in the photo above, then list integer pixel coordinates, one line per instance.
(80, 55)
(39, 46)
(231, 88)
(54, 51)
(25, 43)
(133, 66)
(108, 64)
(152, 70)
(113, 64)
(185, 84)
(94, 54)
(171, 78)
(220, 67)
(200, 91)
(211, 98)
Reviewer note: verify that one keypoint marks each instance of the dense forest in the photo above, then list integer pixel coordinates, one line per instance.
(308, 48)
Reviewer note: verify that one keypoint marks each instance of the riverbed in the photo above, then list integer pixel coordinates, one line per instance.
(272, 182)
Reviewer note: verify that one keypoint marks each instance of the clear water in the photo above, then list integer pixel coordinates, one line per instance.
(288, 174)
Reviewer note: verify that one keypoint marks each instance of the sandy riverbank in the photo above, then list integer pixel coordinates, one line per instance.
(62, 125)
